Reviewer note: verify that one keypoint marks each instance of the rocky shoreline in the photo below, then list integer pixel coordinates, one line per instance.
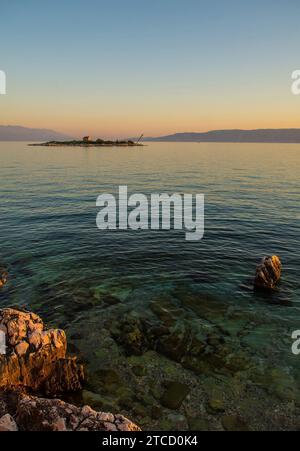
(34, 369)
(176, 361)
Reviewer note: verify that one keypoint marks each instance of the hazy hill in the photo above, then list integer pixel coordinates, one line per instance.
(16, 133)
(236, 136)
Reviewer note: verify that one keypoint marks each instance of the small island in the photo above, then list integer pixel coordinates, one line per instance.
(88, 142)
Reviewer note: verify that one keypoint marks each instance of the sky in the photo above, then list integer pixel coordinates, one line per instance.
(119, 68)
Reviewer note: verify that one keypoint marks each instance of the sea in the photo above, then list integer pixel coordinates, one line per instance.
(147, 309)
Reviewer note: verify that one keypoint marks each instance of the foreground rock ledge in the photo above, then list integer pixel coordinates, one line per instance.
(29, 413)
(35, 357)
(34, 360)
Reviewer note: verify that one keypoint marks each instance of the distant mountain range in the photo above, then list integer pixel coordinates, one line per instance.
(16, 133)
(235, 136)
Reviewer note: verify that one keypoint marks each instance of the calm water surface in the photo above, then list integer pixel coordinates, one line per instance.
(58, 260)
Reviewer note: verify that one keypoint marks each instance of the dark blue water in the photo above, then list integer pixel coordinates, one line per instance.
(60, 264)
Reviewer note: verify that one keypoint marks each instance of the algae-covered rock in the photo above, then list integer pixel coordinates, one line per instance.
(174, 395)
(175, 345)
(139, 370)
(199, 424)
(132, 336)
(156, 412)
(216, 402)
(234, 423)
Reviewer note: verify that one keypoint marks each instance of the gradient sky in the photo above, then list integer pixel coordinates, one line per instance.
(117, 68)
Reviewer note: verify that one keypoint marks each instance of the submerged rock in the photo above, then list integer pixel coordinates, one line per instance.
(176, 344)
(216, 403)
(132, 336)
(268, 273)
(35, 357)
(233, 423)
(174, 395)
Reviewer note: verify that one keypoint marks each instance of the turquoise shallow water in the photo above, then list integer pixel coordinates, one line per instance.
(59, 261)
